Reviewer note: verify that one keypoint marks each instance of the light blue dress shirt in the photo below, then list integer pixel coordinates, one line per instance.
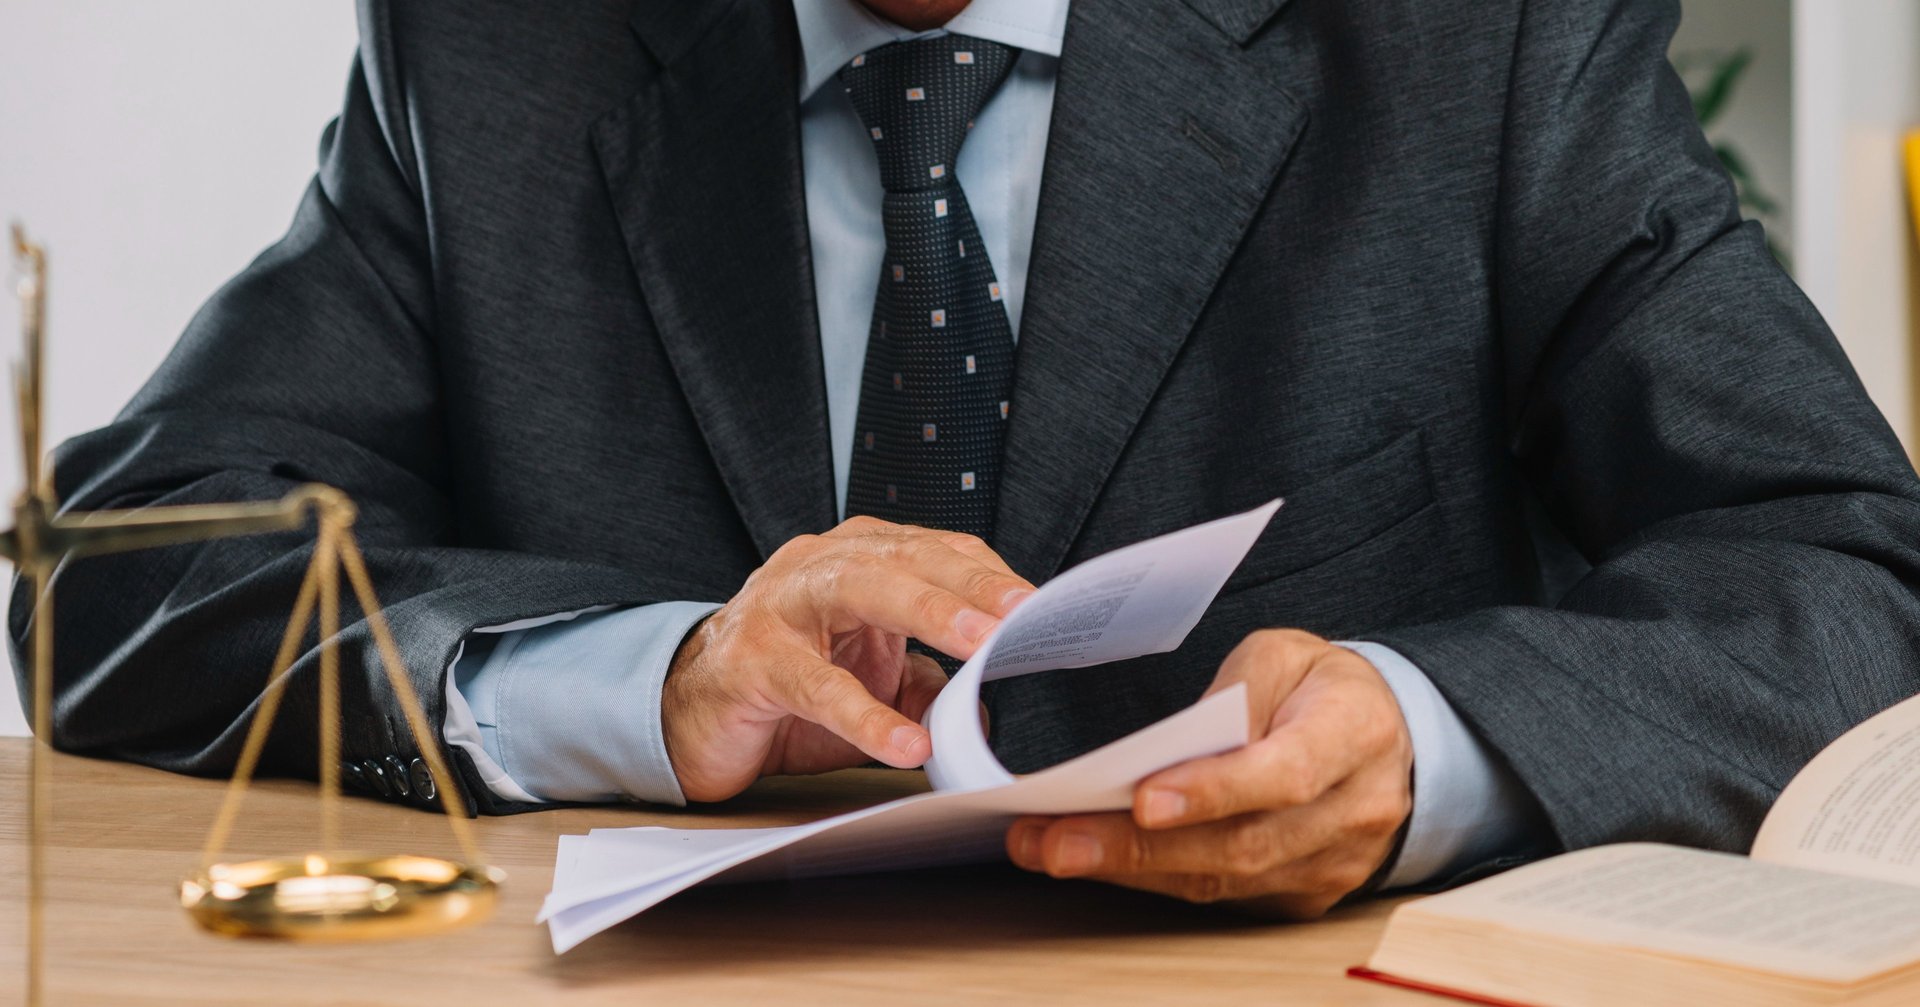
(568, 707)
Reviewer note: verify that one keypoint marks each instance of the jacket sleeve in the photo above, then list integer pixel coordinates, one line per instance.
(1694, 430)
(316, 364)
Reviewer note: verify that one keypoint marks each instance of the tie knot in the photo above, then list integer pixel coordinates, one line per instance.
(918, 99)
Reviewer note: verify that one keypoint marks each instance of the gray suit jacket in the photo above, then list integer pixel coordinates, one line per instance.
(1461, 280)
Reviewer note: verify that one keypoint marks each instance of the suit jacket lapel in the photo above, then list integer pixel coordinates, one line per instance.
(704, 170)
(1165, 139)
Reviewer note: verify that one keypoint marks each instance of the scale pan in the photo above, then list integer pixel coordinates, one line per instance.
(345, 898)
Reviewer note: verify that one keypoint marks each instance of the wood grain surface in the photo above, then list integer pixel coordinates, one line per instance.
(124, 835)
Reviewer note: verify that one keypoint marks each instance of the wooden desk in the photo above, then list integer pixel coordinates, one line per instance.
(123, 836)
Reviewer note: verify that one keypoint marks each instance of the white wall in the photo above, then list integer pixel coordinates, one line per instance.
(155, 147)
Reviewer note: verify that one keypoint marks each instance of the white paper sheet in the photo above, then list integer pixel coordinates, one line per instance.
(1142, 599)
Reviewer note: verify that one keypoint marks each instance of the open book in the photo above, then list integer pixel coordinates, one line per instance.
(1826, 910)
(1143, 599)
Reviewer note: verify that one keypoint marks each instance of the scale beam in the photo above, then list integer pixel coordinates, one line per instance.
(367, 896)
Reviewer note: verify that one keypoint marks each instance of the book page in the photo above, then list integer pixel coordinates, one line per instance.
(1855, 809)
(1696, 904)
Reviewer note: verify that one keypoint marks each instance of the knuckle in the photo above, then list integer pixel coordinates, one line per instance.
(932, 604)
(1275, 639)
(1384, 814)
(1251, 848)
(1206, 798)
(1292, 787)
(984, 583)
(842, 568)
(1266, 642)
(817, 682)
(742, 646)
(873, 721)
(1377, 733)
(1203, 888)
(1299, 639)
(1345, 877)
(1293, 649)
(795, 549)
(894, 549)
(965, 542)
(924, 551)
(863, 524)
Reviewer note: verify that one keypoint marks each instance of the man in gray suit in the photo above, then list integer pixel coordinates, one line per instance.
(687, 359)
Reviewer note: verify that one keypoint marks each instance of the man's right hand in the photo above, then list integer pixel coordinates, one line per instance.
(806, 669)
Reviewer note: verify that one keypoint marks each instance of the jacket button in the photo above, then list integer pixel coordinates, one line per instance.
(352, 778)
(397, 774)
(422, 779)
(377, 777)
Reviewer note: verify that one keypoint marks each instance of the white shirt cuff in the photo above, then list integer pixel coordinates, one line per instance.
(1467, 805)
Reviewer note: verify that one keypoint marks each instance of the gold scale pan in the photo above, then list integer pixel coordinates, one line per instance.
(326, 895)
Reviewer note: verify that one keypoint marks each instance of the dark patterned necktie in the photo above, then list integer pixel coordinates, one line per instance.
(939, 368)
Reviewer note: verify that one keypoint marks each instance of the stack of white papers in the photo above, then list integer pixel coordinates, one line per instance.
(1143, 599)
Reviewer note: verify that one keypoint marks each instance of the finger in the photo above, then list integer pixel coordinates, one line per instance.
(1243, 893)
(1110, 844)
(925, 591)
(962, 563)
(1023, 841)
(1200, 888)
(1290, 768)
(977, 550)
(920, 683)
(1302, 890)
(828, 695)
(967, 567)
(1328, 728)
(972, 545)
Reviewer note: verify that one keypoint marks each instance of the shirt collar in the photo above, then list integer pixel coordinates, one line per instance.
(832, 32)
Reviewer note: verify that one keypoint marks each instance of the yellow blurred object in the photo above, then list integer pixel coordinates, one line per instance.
(1913, 179)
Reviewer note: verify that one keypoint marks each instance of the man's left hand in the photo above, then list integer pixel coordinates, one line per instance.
(1303, 815)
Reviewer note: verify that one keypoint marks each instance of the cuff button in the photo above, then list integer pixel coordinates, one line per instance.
(377, 777)
(397, 772)
(422, 779)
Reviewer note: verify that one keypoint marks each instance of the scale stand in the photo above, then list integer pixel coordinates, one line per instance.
(327, 895)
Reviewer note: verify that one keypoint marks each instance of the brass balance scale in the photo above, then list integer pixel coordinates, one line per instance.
(325, 895)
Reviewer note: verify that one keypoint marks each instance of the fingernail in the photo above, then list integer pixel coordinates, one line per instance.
(1077, 854)
(911, 742)
(1014, 597)
(973, 624)
(1163, 807)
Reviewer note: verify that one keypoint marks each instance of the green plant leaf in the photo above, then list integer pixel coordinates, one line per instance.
(1711, 100)
(1751, 196)
(1760, 204)
(1731, 160)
